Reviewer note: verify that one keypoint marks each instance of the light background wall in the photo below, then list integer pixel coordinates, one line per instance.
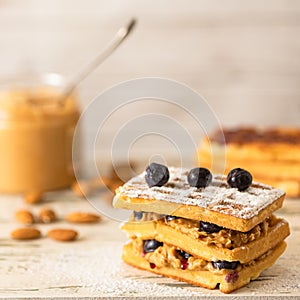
(242, 56)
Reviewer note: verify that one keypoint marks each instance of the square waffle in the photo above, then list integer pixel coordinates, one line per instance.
(250, 238)
(258, 151)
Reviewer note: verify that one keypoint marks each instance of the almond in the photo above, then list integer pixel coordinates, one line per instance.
(27, 233)
(24, 216)
(80, 217)
(47, 215)
(63, 235)
(33, 197)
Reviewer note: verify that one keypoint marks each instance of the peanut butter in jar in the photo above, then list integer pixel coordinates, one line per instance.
(36, 134)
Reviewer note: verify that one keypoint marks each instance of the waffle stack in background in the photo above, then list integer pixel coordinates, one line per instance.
(215, 236)
(272, 156)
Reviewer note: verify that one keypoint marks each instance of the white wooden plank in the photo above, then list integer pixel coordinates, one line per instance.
(44, 268)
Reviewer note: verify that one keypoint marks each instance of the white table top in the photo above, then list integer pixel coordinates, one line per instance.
(91, 267)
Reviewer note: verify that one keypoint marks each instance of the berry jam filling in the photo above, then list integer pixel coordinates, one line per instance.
(232, 277)
(184, 264)
(184, 256)
(152, 265)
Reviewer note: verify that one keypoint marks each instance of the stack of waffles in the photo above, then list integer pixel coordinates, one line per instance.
(215, 236)
(272, 155)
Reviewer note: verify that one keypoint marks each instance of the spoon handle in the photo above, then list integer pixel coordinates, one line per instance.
(119, 37)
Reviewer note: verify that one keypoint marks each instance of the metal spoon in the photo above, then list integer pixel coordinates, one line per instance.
(120, 36)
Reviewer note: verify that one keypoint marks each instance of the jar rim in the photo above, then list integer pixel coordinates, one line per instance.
(32, 94)
(32, 80)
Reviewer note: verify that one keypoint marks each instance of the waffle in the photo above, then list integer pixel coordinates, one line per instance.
(209, 246)
(249, 240)
(259, 152)
(217, 203)
(227, 281)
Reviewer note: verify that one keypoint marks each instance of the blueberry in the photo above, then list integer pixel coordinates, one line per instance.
(156, 175)
(184, 254)
(199, 177)
(223, 264)
(138, 215)
(209, 227)
(169, 218)
(151, 245)
(239, 178)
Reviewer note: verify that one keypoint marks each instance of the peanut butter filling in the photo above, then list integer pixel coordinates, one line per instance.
(225, 238)
(169, 256)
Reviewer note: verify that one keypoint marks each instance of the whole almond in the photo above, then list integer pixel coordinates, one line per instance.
(24, 216)
(33, 197)
(63, 235)
(27, 233)
(81, 217)
(47, 215)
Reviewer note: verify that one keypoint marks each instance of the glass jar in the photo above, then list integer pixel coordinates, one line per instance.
(36, 134)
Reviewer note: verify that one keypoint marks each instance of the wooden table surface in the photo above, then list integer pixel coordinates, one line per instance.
(91, 266)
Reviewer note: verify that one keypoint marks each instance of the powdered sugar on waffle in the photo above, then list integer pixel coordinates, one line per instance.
(218, 196)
